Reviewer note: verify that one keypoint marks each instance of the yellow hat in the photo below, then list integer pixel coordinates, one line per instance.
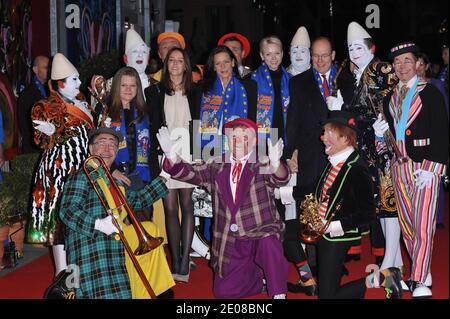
(62, 68)
(175, 35)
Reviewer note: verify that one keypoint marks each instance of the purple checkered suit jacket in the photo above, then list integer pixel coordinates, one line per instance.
(254, 211)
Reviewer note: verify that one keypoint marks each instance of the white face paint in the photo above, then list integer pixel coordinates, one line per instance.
(300, 58)
(137, 58)
(71, 87)
(359, 53)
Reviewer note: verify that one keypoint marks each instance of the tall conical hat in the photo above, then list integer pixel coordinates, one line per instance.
(62, 68)
(356, 32)
(301, 37)
(133, 40)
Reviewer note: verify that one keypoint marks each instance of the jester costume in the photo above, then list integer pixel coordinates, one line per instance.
(64, 153)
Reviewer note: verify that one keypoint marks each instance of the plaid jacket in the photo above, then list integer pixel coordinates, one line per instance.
(100, 258)
(255, 211)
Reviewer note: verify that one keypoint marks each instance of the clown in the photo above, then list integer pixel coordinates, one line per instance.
(299, 52)
(363, 91)
(61, 130)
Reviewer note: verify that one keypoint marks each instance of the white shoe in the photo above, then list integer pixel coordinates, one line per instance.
(429, 281)
(422, 291)
(280, 296)
(404, 285)
(195, 254)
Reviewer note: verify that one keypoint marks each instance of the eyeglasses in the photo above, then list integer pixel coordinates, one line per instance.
(321, 57)
(406, 62)
(105, 144)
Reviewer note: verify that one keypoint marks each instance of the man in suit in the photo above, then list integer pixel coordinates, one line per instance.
(344, 195)
(37, 90)
(247, 230)
(307, 110)
(416, 114)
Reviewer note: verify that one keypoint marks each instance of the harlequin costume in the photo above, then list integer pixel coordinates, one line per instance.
(419, 123)
(64, 153)
(363, 93)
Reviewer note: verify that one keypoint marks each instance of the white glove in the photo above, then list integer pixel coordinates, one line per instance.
(423, 178)
(106, 226)
(108, 122)
(276, 192)
(275, 152)
(45, 127)
(380, 126)
(335, 103)
(164, 175)
(167, 144)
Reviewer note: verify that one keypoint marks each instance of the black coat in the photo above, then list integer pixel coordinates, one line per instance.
(430, 124)
(155, 96)
(29, 96)
(353, 186)
(307, 110)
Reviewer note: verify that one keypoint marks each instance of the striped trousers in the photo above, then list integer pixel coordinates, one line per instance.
(417, 216)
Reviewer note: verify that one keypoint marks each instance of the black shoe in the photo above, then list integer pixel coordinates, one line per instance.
(392, 284)
(58, 289)
(168, 294)
(310, 290)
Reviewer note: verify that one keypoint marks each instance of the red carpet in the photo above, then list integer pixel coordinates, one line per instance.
(31, 280)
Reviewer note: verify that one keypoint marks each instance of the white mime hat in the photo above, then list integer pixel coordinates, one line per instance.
(62, 68)
(133, 40)
(301, 37)
(356, 32)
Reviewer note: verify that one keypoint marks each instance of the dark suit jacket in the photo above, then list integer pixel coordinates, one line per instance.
(25, 103)
(155, 96)
(353, 185)
(426, 137)
(307, 110)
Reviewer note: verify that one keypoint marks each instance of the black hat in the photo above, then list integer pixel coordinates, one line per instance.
(342, 117)
(402, 48)
(106, 130)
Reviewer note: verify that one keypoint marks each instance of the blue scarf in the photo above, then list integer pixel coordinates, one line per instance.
(266, 97)
(142, 146)
(219, 107)
(400, 129)
(40, 86)
(319, 80)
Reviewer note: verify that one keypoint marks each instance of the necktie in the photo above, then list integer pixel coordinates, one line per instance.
(235, 177)
(326, 90)
(236, 174)
(401, 97)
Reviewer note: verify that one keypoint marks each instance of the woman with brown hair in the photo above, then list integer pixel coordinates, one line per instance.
(127, 115)
(172, 104)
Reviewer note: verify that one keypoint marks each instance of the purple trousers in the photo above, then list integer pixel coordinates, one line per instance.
(250, 262)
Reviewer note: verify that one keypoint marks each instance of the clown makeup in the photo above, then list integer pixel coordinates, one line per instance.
(241, 141)
(300, 58)
(71, 87)
(334, 143)
(138, 58)
(359, 53)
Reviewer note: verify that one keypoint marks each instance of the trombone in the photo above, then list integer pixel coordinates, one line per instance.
(146, 242)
